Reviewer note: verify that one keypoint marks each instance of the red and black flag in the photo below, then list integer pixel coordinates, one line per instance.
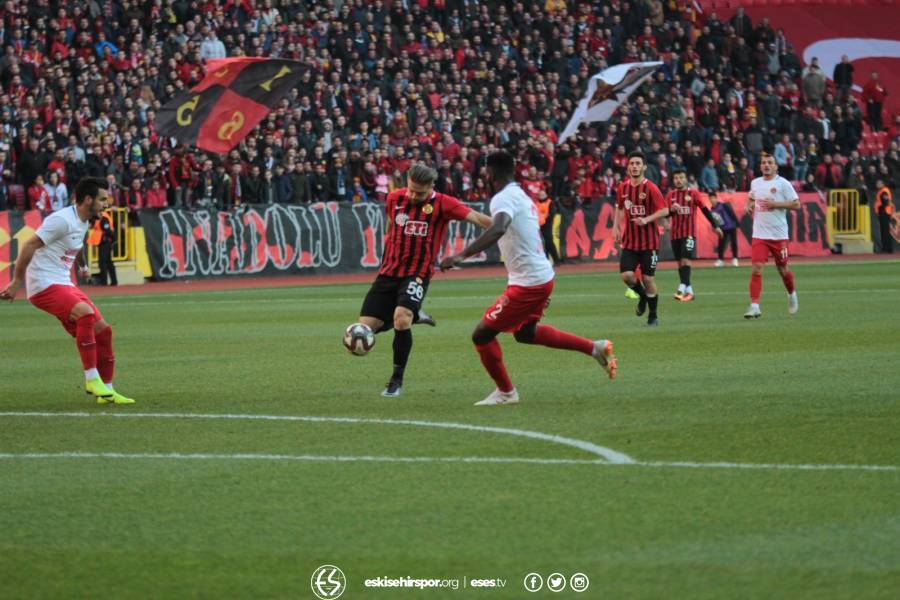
(235, 95)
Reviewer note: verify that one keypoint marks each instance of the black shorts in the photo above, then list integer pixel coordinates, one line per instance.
(387, 293)
(630, 259)
(684, 248)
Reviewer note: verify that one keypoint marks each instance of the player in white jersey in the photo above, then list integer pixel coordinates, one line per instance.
(45, 264)
(771, 196)
(520, 308)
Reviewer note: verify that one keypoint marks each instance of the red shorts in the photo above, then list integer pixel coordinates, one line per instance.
(761, 249)
(517, 306)
(58, 300)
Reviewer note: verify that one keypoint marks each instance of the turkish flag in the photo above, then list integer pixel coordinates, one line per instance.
(234, 96)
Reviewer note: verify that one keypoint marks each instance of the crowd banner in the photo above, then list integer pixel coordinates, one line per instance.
(15, 228)
(319, 238)
(586, 232)
(333, 237)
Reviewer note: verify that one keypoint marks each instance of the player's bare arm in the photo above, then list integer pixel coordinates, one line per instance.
(617, 225)
(660, 214)
(483, 242)
(775, 205)
(480, 219)
(26, 253)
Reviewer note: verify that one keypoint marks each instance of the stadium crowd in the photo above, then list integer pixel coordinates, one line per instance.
(439, 81)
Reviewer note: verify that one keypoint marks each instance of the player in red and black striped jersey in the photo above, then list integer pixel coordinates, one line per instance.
(417, 219)
(683, 205)
(643, 203)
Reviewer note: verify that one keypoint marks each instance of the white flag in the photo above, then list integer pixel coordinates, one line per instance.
(606, 91)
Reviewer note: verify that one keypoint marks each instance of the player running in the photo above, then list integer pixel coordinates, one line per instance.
(771, 196)
(522, 305)
(45, 264)
(417, 219)
(683, 204)
(644, 203)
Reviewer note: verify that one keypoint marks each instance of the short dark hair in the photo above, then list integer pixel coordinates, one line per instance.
(637, 154)
(502, 163)
(679, 170)
(422, 174)
(89, 187)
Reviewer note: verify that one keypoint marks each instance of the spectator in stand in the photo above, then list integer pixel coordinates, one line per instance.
(59, 194)
(38, 196)
(828, 174)
(709, 178)
(299, 177)
(135, 197)
(843, 78)
(156, 196)
(873, 95)
(182, 167)
(251, 186)
(727, 221)
(284, 189)
(212, 47)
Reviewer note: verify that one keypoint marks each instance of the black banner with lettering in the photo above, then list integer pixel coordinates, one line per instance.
(315, 239)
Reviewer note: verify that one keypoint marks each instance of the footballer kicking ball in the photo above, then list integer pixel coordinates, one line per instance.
(359, 339)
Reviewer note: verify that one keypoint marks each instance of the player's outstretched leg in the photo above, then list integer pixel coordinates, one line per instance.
(106, 364)
(491, 356)
(685, 290)
(551, 337)
(403, 341)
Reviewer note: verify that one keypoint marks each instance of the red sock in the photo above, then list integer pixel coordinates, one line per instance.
(788, 279)
(106, 360)
(492, 359)
(544, 335)
(86, 342)
(755, 287)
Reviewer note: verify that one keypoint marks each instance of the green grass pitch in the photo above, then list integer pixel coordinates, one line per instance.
(696, 398)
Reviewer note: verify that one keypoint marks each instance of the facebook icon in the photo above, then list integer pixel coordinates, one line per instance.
(533, 582)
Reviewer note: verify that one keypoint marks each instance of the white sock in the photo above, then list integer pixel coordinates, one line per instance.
(689, 290)
(91, 374)
(108, 384)
(754, 305)
(681, 288)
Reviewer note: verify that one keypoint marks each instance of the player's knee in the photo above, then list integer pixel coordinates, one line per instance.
(525, 335)
(403, 320)
(756, 268)
(82, 309)
(628, 277)
(101, 326)
(482, 336)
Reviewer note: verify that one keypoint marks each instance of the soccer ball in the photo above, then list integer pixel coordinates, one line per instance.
(359, 339)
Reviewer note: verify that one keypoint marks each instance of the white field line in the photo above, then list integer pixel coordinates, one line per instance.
(600, 451)
(438, 299)
(611, 457)
(439, 459)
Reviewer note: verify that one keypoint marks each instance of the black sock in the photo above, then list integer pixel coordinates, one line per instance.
(651, 302)
(402, 348)
(638, 289)
(684, 272)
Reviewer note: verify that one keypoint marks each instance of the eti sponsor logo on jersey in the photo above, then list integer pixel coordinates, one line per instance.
(637, 210)
(328, 582)
(417, 228)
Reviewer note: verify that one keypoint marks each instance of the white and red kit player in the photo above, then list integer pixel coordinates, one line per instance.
(521, 307)
(45, 264)
(771, 196)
